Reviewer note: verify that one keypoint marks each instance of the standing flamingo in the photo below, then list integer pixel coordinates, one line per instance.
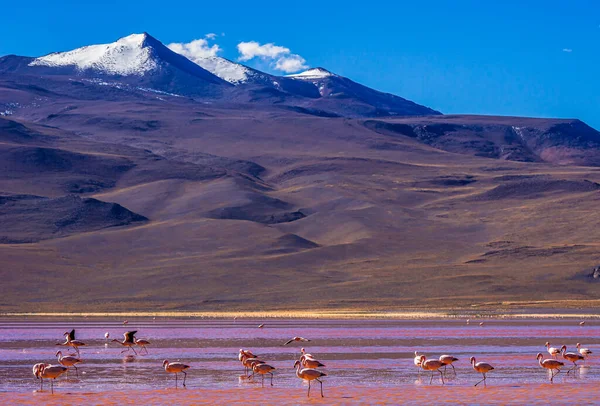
(417, 362)
(71, 341)
(175, 368)
(106, 336)
(309, 374)
(584, 351)
(262, 369)
(128, 341)
(448, 360)
(550, 364)
(51, 372)
(482, 368)
(432, 365)
(552, 350)
(68, 361)
(308, 362)
(570, 356)
(37, 372)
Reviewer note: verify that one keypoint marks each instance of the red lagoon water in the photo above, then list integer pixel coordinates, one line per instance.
(367, 361)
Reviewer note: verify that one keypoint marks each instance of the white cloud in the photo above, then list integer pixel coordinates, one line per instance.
(569, 50)
(291, 63)
(196, 49)
(253, 49)
(279, 57)
(210, 35)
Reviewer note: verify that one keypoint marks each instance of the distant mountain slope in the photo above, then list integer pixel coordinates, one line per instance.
(557, 141)
(27, 218)
(340, 94)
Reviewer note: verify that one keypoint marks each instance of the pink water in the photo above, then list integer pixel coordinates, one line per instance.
(367, 361)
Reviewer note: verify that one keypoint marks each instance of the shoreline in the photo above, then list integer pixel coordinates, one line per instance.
(349, 314)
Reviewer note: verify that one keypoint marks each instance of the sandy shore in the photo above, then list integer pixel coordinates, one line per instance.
(514, 394)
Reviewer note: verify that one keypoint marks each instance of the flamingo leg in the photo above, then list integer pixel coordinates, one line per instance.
(52, 386)
(184, 376)
(454, 369)
(431, 379)
(126, 349)
(133, 350)
(271, 378)
(481, 380)
(442, 376)
(76, 371)
(308, 395)
(42, 384)
(175, 380)
(321, 382)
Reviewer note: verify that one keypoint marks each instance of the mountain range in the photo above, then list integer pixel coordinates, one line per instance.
(154, 182)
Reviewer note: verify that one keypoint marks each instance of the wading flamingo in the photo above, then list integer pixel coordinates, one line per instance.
(249, 364)
(175, 368)
(584, 351)
(309, 374)
(71, 341)
(142, 343)
(552, 350)
(128, 341)
(570, 356)
(448, 360)
(37, 371)
(417, 361)
(106, 336)
(68, 361)
(296, 339)
(262, 369)
(550, 364)
(308, 361)
(51, 372)
(432, 365)
(482, 368)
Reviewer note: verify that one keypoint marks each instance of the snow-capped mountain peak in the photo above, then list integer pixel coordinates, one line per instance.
(314, 73)
(131, 55)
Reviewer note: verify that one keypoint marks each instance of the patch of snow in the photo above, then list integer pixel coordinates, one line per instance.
(315, 73)
(147, 89)
(232, 72)
(127, 56)
(519, 131)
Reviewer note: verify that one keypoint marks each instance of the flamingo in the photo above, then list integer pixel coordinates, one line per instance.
(468, 321)
(296, 339)
(448, 360)
(432, 365)
(142, 343)
(51, 372)
(552, 350)
(262, 369)
(570, 356)
(175, 368)
(482, 368)
(261, 325)
(37, 372)
(106, 336)
(582, 323)
(550, 364)
(584, 351)
(68, 361)
(71, 341)
(481, 324)
(308, 362)
(249, 363)
(128, 341)
(417, 361)
(309, 374)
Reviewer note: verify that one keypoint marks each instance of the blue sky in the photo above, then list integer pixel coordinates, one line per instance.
(526, 58)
